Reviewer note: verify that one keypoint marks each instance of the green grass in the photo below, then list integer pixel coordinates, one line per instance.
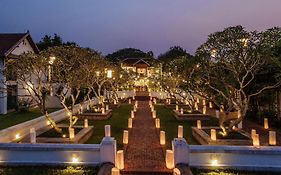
(229, 172)
(118, 122)
(16, 117)
(169, 124)
(48, 170)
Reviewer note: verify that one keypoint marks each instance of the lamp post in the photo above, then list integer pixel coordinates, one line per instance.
(51, 62)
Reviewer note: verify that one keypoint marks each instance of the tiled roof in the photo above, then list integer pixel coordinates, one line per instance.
(9, 41)
(133, 61)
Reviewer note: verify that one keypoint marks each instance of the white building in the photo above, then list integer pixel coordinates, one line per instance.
(11, 46)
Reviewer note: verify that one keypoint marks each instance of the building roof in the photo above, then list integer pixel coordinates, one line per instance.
(9, 41)
(134, 61)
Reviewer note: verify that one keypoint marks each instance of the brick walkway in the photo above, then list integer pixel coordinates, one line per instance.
(144, 152)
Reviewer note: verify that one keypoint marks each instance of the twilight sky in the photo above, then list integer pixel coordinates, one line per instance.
(109, 25)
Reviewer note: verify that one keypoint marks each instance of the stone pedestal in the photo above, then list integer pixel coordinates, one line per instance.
(108, 150)
(181, 151)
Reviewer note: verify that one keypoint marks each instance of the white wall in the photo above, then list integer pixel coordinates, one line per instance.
(23, 129)
(264, 158)
(3, 95)
(23, 47)
(58, 154)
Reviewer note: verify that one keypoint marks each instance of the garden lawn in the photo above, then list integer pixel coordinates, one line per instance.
(118, 122)
(44, 170)
(17, 117)
(169, 124)
(229, 172)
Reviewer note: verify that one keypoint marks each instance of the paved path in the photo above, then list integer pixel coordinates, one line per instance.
(144, 152)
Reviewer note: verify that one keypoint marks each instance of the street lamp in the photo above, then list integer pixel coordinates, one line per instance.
(109, 74)
(51, 62)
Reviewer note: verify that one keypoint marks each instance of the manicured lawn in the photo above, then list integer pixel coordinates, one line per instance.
(229, 172)
(14, 118)
(48, 170)
(169, 124)
(118, 122)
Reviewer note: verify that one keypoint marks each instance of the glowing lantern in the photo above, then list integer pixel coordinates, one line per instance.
(180, 131)
(272, 138)
(86, 124)
(253, 132)
(162, 138)
(199, 124)
(210, 104)
(213, 134)
(221, 108)
(196, 106)
(152, 108)
(115, 171)
(256, 140)
(125, 137)
(107, 131)
(130, 123)
(170, 159)
(204, 102)
(102, 110)
(177, 107)
(204, 110)
(132, 114)
(120, 159)
(71, 133)
(265, 123)
(157, 123)
(153, 114)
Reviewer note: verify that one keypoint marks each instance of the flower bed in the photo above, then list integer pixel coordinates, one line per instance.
(196, 115)
(51, 136)
(238, 137)
(92, 115)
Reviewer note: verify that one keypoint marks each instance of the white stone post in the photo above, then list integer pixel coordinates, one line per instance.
(108, 150)
(32, 135)
(181, 151)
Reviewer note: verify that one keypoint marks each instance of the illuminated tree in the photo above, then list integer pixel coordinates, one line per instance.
(231, 59)
(31, 72)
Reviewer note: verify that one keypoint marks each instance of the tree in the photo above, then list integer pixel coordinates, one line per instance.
(31, 71)
(174, 52)
(121, 54)
(231, 61)
(49, 41)
(68, 75)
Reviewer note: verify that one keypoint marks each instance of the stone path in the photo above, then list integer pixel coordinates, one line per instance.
(144, 153)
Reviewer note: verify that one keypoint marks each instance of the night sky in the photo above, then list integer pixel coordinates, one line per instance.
(109, 25)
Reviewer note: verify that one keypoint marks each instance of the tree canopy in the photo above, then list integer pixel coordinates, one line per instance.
(51, 41)
(121, 54)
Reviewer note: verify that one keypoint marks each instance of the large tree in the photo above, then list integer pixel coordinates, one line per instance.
(121, 54)
(231, 61)
(51, 41)
(31, 72)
